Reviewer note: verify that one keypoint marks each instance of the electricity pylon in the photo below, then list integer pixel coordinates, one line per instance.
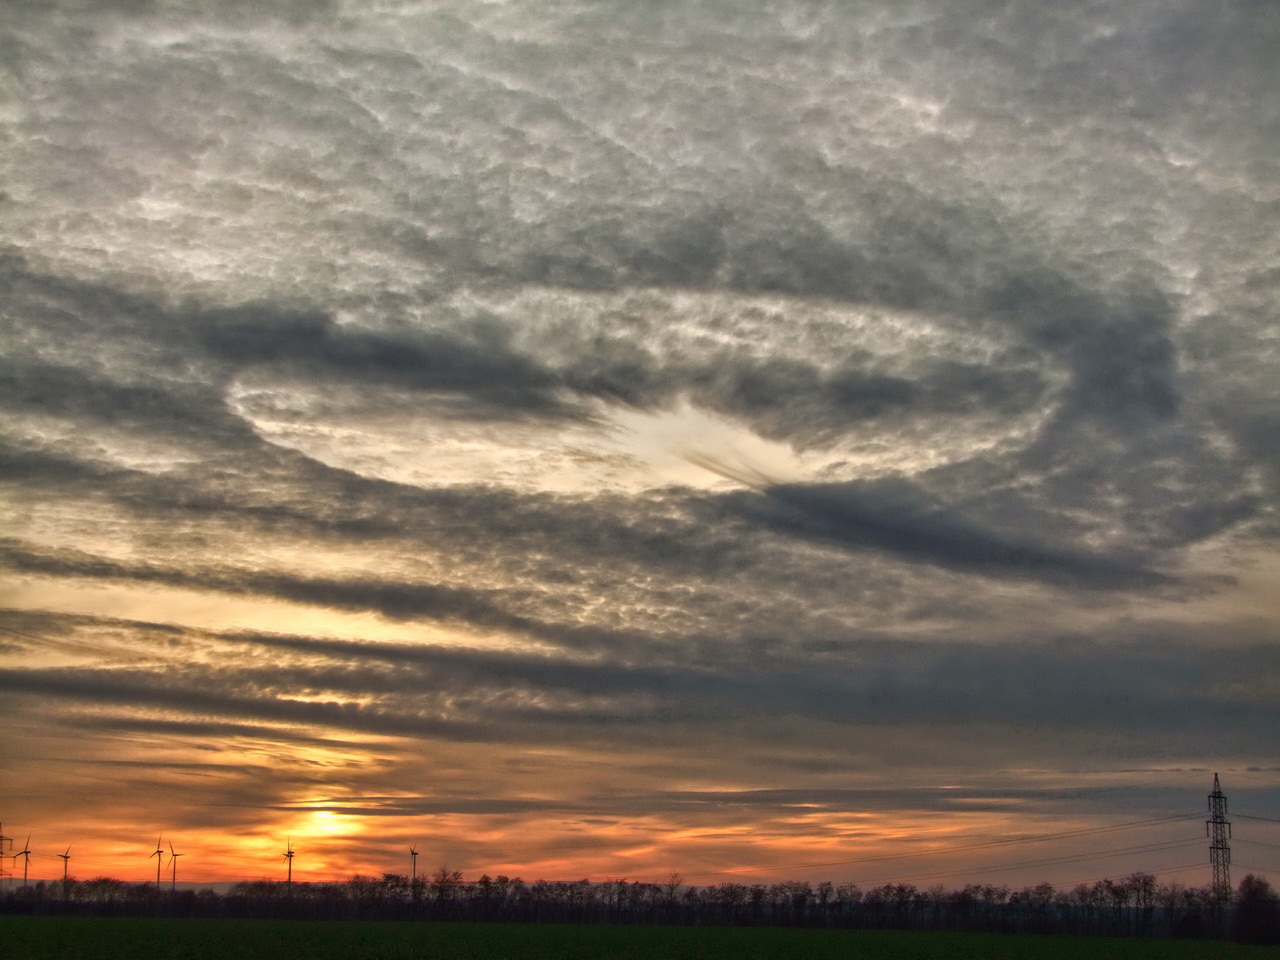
(3, 841)
(1218, 829)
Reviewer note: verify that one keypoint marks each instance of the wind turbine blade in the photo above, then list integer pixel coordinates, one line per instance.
(171, 853)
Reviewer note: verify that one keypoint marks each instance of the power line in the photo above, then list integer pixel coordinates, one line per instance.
(58, 856)
(1251, 775)
(1258, 843)
(1161, 872)
(1091, 791)
(1046, 862)
(1000, 842)
(1245, 816)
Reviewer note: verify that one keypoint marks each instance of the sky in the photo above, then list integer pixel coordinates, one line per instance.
(601, 439)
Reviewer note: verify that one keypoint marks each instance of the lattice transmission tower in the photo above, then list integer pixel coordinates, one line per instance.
(1218, 829)
(3, 842)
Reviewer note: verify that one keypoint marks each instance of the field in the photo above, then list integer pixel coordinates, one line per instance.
(24, 938)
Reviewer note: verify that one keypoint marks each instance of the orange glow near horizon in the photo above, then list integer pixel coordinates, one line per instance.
(231, 801)
(233, 796)
(330, 846)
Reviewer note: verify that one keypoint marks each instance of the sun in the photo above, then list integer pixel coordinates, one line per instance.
(326, 823)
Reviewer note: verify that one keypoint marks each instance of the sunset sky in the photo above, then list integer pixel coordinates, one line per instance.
(597, 439)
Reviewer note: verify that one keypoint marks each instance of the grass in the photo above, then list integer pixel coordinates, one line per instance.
(49, 938)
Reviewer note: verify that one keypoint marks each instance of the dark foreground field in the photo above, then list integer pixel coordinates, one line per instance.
(25, 938)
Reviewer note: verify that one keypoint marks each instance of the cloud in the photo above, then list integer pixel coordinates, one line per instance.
(897, 519)
(298, 297)
(217, 731)
(505, 376)
(479, 365)
(1142, 685)
(396, 600)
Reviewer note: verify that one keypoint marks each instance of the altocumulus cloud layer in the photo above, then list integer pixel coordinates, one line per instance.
(599, 425)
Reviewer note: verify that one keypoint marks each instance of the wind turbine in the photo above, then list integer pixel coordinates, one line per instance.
(25, 853)
(173, 862)
(159, 855)
(413, 857)
(66, 861)
(288, 858)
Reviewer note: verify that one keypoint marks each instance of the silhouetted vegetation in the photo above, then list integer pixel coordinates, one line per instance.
(1136, 906)
(1256, 917)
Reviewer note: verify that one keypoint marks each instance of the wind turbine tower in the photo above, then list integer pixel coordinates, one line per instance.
(66, 862)
(25, 853)
(413, 859)
(1218, 829)
(173, 863)
(288, 858)
(159, 855)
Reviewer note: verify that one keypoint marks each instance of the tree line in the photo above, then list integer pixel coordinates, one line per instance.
(1135, 906)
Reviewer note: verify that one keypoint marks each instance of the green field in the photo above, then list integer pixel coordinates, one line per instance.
(24, 938)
